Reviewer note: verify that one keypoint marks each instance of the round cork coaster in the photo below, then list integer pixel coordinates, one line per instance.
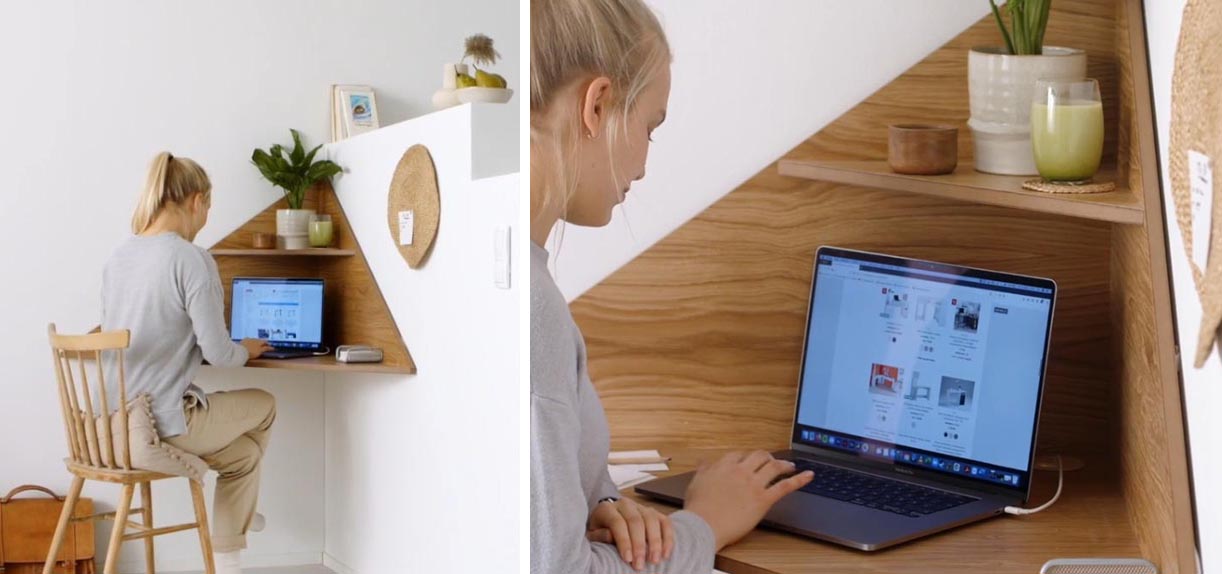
(1039, 184)
(1196, 132)
(413, 208)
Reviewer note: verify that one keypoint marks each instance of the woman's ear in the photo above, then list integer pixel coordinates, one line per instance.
(594, 106)
(199, 203)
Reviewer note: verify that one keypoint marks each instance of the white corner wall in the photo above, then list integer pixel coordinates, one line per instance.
(750, 82)
(421, 470)
(1202, 387)
(92, 91)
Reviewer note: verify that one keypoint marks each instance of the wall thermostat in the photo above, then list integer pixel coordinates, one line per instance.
(358, 354)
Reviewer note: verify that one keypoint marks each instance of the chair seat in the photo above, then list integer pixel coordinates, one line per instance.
(134, 476)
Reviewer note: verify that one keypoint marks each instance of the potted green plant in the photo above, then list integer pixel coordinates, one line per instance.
(294, 171)
(1001, 81)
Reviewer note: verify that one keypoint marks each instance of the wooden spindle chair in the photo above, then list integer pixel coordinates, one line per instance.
(89, 459)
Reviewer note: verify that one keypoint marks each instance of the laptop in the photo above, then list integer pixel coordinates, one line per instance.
(285, 312)
(918, 399)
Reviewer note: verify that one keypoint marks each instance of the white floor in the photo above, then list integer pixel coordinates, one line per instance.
(313, 569)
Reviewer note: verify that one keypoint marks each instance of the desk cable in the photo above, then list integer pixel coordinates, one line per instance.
(1017, 511)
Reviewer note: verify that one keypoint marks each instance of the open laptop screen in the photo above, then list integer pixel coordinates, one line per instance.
(924, 364)
(286, 312)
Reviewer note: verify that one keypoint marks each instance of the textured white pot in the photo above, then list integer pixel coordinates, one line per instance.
(293, 228)
(447, 96)
(1001, 87)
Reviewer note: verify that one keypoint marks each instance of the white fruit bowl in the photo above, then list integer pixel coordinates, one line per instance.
(484, 95)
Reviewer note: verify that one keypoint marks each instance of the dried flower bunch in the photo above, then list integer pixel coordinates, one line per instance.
(480, 50)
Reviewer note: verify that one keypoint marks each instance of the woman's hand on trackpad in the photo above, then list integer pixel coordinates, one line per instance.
(255, 348)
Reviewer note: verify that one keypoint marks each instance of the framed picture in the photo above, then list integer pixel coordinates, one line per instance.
(354, 111)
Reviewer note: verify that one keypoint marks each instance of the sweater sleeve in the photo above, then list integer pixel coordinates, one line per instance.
(558, 511)
(205, 304)
(605, 489)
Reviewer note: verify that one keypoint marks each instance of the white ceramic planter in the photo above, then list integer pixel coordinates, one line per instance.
(1000, 87)
(447, 96)
(293, 228)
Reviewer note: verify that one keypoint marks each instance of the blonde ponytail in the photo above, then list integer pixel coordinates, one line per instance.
(171, 181)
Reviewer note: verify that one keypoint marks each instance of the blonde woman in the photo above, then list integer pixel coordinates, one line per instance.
(600, 84)
(167, 291)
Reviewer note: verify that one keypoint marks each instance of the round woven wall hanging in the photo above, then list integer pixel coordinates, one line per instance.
(1196, 125)
(413, 201)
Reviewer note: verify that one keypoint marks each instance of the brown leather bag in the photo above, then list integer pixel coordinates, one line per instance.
(27, 526)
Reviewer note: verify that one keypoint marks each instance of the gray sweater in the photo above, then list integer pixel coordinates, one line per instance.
(569, 442)
(167, 291)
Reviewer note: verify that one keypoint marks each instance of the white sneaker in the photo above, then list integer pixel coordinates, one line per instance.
(228, 562)
(257, 523)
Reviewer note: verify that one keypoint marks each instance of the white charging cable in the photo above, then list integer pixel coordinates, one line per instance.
(1017, 511)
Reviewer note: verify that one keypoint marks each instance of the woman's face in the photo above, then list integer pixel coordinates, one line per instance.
(605, 177)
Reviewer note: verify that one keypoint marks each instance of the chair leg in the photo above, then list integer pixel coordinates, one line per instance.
(146, 502)
(201, 518)
(61, 528)
(116, 535)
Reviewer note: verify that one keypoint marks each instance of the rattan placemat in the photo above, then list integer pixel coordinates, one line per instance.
(1196, 125)
(1039, 184)
(414, 188)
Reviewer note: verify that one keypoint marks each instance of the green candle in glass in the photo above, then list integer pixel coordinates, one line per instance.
(1067, 130)
(321, 231)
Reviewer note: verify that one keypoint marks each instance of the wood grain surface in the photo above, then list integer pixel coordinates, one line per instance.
(696, 343)
(355, 312)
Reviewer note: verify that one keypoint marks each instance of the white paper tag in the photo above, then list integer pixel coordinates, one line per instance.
(407, 220)
(1200, 173)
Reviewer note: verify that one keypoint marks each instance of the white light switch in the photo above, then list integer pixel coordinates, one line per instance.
(500, 255)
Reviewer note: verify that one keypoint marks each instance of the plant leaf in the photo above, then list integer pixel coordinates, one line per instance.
(298, 153)
(1005, 35)
(1045, 11)
(309, 158)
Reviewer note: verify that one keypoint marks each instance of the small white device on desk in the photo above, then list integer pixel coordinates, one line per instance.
(358, 354)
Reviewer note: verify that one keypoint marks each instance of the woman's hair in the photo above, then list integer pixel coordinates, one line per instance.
(171, 181)
(573, 39)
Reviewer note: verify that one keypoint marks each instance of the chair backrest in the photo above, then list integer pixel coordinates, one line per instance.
(89, 442)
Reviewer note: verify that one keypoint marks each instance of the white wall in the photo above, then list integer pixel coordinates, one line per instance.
(422, 470)
(91, 91)
(1202, 387)
(747, 86)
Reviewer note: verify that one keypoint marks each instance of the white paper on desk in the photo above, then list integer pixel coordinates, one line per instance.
(625, 477)
(1200, 174)
(622, 454)
(652, 467)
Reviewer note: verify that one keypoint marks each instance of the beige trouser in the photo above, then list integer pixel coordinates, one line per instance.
(231, 436)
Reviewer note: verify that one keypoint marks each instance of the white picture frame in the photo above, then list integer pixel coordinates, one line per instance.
(354, 111)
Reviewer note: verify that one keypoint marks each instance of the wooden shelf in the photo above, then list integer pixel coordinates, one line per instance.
(355, 310)
(312, 252)
(1089, 520)
(966, 184)
(329, 364)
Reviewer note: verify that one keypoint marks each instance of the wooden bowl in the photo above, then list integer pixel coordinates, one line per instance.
(916, 149)
(261, 240)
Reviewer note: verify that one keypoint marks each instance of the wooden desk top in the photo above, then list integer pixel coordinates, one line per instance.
(1089, 520)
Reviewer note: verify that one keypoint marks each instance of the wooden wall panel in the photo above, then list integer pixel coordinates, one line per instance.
(697, 342)
(356, 312)
(1150, 422)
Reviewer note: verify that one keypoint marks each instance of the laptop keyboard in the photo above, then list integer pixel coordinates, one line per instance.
(867, 490)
